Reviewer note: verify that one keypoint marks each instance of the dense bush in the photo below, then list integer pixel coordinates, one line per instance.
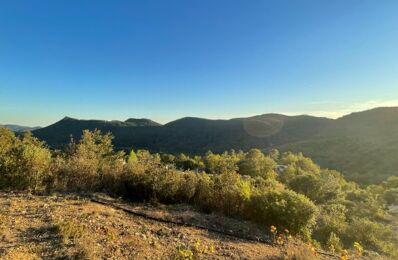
(309, 201)
(373, 235)
(332, 220)
(389, 190)
(88, 165)
(285, 208)
(230, 193)
(256, 163)
(24, 162)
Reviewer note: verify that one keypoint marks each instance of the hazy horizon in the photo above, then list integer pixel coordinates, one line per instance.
(338, 115)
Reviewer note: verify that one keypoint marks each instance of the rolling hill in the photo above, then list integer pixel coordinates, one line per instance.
(19, 128)
(192, 135)
(363, 145)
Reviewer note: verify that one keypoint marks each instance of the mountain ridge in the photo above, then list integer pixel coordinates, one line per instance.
(361, 143)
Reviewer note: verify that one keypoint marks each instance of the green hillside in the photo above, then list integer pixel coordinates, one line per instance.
(192, 135)
(363, 145)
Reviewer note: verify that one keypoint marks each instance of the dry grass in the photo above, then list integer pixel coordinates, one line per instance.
(69, 230)
(68, 227)
(20, 254)
(293, 252)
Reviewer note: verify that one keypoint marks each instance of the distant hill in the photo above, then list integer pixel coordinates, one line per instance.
(18, 128)
(364, 145)
(191, 135)
(59, 134)
(141, 122)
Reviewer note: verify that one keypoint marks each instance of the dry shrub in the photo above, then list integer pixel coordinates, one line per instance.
(84, 250)
(296, 252)
(73, 233)
(69, 230)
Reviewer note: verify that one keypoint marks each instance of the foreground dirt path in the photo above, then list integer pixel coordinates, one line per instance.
(71, 227)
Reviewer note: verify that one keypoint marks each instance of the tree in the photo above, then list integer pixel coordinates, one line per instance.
(257, 164)
(24, 164)
(132, 157)
(300, 163)
(391, 196)
(168, 158)
(274, 154)
(220, 163)
(91, 162)
(391, 182)
(36, 161)
(8, 148)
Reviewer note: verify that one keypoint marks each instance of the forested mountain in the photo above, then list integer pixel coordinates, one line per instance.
(363, 145)
(192, 135)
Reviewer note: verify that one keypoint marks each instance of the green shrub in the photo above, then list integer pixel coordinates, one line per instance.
(256, 163)
(283, 208)
(187, 188)
(24, 163)
(230, 193)
(306, 184)
(300, 163)
(333, 243)
(204, 196)
(391, 196)
(89, 165)
(332, 219)
(221, 163)
(371, 235)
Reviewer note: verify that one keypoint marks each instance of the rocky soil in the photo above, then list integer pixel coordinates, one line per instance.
(75, 227)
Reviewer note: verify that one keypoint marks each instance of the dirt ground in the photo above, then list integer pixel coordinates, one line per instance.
(73, 227)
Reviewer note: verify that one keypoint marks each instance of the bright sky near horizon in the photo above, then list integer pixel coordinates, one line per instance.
(215, 59)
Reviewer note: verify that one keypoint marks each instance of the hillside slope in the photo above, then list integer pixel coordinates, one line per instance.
(363, 145)
(73, 227)
(192, 135)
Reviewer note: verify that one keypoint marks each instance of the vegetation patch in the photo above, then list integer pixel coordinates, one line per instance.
(286, 190)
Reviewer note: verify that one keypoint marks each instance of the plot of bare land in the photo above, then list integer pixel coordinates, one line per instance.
(73, 227)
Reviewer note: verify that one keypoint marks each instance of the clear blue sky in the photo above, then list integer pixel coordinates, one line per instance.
(206, 58)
